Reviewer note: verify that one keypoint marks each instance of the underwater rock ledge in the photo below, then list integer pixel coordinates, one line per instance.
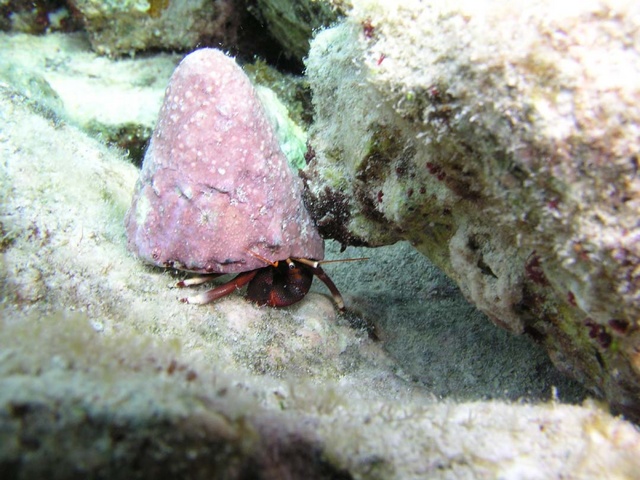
(501, 141)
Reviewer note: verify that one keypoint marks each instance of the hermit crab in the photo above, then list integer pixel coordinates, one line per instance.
(216, 194)
(280, 284)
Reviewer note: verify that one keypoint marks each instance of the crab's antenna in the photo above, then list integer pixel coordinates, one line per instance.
(260, 257)
(316, 263)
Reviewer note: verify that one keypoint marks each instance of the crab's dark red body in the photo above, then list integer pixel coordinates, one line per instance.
(278, 285)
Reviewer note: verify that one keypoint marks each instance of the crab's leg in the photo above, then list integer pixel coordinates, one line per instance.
(190, 282)
(222, 290)
(318, 272)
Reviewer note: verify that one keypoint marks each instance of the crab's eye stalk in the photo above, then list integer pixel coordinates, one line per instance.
(291, 264)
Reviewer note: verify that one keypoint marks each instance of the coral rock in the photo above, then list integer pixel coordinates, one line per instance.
(215, 184)
(502, 142)
(119, 28)
(292, 22)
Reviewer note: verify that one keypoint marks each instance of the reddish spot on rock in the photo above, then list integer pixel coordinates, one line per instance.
(598, 333)
(310, 154)
(436, 170)
(571, 298)
(534, 271)
(172, 367)
(368, 29)
(619, 326)
(380, 195)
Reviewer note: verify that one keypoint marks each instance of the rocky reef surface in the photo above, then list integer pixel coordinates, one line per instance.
(502, 141)
(117, 27)
(103, 373)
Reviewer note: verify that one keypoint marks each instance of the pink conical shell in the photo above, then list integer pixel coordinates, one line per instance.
(214, 184)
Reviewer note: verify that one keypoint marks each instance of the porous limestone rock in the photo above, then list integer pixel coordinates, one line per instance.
(124, 27)
(216, 193)
(36, 17)
(276, 29)
(292, 22)
(501, 139)
(117, 102)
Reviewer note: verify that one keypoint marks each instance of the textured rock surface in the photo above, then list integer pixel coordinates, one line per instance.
(501, 140)
(293, 22)
(131, 407)
(124, 27)
(36, 17)
(117, 102)
(128, 382)
(215, 184)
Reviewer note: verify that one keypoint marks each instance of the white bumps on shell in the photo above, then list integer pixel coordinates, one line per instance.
(215, 192)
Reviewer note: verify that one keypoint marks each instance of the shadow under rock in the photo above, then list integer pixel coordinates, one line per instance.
(440, 341)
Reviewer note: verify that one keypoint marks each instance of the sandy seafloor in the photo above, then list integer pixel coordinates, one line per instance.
(440, 341)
